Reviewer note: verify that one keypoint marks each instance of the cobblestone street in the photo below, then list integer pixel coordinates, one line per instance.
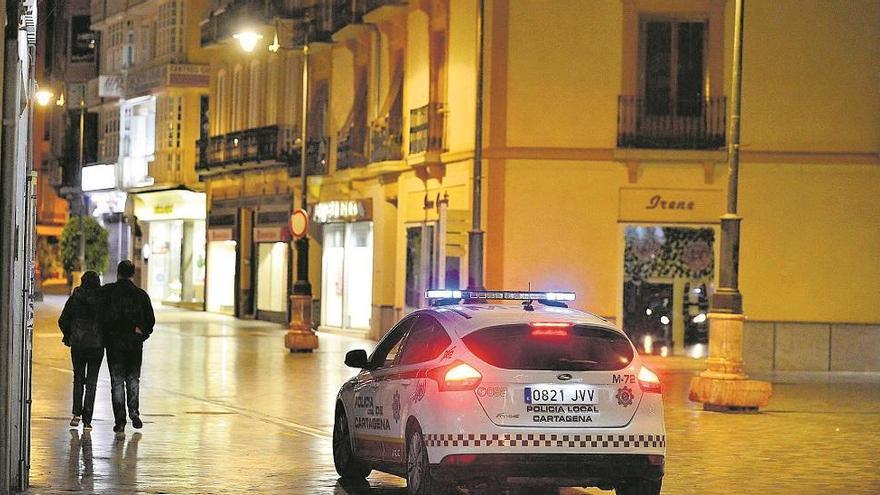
(228, 410)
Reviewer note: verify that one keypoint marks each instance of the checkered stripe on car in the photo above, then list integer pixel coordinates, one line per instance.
(542, 440)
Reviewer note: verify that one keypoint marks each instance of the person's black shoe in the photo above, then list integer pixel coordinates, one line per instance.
(119, 428)
(137, 423)
(87, 426)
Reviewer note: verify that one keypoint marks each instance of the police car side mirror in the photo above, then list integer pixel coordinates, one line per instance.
(356, 359)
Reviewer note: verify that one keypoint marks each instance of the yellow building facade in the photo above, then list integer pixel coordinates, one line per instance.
(605, 131)
(150, 97)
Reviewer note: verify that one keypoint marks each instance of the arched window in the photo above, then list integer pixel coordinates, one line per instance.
(237, 101)
(254, 93)
(220, 104)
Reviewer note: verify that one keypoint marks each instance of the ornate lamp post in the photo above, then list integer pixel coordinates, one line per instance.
(723, 386)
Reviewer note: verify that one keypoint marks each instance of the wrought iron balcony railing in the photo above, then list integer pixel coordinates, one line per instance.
(426, 128)
(263, 144)
(695, 124)
(350, 150)
(316, 159)
(386, 139)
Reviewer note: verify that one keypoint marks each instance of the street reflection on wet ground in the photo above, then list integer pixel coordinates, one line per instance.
(228, 410)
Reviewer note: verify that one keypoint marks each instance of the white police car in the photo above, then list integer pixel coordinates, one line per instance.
(472, 392)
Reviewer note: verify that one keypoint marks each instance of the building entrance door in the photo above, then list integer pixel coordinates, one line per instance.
(668, 273)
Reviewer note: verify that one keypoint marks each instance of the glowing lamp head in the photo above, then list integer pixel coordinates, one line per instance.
(248, 40)
(43, 97)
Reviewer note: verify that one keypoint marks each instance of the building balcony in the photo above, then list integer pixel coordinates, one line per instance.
(426, 126)
(316, 159)
(270, 145)
(386, 139)
(687, 125)
(350, 151)
(219, 25)
(145, 80)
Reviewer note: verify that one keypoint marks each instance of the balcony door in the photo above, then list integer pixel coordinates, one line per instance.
(673, 68)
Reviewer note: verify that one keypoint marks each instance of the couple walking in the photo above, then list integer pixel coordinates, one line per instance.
(118, 317)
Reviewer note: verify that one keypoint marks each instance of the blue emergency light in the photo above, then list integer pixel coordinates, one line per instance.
(498, 295)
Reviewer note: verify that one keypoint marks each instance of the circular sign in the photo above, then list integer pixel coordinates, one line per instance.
(299, 223)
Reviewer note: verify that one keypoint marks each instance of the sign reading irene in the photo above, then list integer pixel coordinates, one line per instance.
(670, 205)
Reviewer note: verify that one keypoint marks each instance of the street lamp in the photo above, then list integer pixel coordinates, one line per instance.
(248, 39)
(723, 385)
(475, 236)
(43, 97)
(301, 337)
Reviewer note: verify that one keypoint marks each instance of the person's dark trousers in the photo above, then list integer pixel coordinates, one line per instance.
(86, 365)
(125, 377)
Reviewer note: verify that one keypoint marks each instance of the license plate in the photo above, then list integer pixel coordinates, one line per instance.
(560, 394)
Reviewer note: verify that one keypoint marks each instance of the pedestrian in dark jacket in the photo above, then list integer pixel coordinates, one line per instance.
(79, 322)
(127, 324)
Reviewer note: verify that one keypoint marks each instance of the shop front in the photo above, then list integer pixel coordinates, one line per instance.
(174, 254)
(272, 251)
(669, 245)
(221, 258)
(346, 264)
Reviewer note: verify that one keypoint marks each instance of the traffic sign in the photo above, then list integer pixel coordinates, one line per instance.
(299, 223)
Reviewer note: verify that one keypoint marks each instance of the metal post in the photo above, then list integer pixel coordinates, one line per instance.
(80, 197)
(728, 299)
(475, 236)
(723, 386)
(302, 286)
(301, 337)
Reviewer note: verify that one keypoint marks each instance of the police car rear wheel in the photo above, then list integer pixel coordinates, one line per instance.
(347, 466)
(639, 487)
(419, 480)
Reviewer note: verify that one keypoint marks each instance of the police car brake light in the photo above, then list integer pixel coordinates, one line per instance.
(455, 377)
(550, 329)
(649, 381)
(502, 295)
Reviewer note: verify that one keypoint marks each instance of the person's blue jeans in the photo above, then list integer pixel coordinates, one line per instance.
(125, 378)
(86, 365)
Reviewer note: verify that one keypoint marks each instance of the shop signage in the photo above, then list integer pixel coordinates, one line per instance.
(163, 209)
(299, 223)
(352, 210)
(670, 205)
(110, 86)
(271, 234)
(219, 235)
(98, 177)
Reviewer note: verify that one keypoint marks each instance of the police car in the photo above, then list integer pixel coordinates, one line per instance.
(529, 394)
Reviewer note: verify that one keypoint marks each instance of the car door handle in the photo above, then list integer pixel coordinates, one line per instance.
(405, 384)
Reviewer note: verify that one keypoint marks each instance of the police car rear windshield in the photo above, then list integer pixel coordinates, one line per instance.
(579, 348)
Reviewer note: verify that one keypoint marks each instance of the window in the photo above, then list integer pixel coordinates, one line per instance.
(426, 341)
(220, 104)
(386, 351)
(169, 29)
(237, 100)
(255, 91)
(583, 348)
(673, 66)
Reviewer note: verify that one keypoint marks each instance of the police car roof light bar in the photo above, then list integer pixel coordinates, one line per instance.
(443, 296)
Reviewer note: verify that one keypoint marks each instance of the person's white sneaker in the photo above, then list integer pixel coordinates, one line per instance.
(74, 421)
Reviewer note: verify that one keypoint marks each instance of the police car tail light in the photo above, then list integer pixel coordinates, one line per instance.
(550, 329)
(648, 381)
(457, 376)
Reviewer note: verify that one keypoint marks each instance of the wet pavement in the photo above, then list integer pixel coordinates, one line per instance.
(228, 410)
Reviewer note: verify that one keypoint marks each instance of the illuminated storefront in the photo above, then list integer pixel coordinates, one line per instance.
(346, 264)
(173, 223)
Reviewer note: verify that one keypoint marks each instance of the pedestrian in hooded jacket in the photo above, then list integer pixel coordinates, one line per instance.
(79, 322)
(128, 322)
